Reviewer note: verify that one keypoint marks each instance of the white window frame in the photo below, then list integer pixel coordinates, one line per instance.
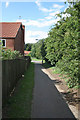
(5, 42)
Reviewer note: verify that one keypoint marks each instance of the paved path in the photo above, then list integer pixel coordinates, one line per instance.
(47, 101)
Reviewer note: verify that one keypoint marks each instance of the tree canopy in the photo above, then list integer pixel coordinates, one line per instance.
(63, 44)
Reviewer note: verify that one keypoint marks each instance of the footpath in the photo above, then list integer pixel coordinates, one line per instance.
(47, 101)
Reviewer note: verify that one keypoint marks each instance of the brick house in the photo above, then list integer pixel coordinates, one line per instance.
(26, 52)
(12, 35)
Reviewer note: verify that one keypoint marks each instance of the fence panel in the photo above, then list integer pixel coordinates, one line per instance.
(12, 71)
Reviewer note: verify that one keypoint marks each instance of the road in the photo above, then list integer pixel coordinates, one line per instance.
(47, 101)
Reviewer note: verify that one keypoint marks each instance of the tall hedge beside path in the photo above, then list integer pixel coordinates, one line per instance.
(63, 44)
(12, 71)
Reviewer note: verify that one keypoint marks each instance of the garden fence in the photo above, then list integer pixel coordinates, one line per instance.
(12, 71)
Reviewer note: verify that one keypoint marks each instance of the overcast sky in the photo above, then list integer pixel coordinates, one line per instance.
(38, 17)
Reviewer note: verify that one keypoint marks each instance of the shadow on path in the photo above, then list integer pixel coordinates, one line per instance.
(47, 101)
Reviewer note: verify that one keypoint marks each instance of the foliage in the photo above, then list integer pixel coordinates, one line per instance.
(63, 44)
(28, 46)
(38, 50)
(33, 51)
(8, 54)
(43, 52)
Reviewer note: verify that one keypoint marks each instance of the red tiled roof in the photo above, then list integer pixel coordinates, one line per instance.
(27, 52)
(9, 29)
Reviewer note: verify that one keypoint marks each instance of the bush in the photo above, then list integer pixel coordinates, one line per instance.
(63, 45)
(8, 54)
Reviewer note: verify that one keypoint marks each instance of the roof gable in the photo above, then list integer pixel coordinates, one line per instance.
(9, 29)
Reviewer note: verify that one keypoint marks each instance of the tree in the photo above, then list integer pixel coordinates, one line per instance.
(28, 46)
(38, 49)
(63, 44)
(33, 51)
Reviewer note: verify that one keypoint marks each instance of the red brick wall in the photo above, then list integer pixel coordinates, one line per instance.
(10, 44)
(19, 41)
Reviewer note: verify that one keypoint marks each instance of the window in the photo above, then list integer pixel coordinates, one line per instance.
(3, 42)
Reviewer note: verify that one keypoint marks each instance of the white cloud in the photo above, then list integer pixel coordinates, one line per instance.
(45, 9)
(41, 19)
(54, 7)
(52, 15)
(57, 6)
(31, 36)
(42, 8)
(7, 4)
(48, 17)
(39, 23)
(30, 40)
(33, 23)
(38, 3)
(38, 34)
(47, 21)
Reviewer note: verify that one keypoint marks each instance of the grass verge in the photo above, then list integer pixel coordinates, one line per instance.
(35, 59)
(19, 104)
(55, 70)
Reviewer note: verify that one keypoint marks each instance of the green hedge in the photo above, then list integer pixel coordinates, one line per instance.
(63, 44)
(8, 54)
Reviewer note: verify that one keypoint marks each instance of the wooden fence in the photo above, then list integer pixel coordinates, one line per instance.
(12, 71)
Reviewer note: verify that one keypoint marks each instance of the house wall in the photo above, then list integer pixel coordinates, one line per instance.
(19, 41)
(10, 44)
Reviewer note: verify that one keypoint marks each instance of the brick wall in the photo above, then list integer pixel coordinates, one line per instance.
(19, 41)
(10, 44)
(16, 43)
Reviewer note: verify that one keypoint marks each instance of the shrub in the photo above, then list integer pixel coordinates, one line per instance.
(8, 54)
(63, 44)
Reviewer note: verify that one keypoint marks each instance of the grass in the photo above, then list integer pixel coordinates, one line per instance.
(19, 104)
(35, 59)
(55, 70)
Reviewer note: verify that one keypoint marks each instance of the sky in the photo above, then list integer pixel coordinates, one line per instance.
(38, 17)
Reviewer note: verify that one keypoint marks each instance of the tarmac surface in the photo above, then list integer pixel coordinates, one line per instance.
(47, 101)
